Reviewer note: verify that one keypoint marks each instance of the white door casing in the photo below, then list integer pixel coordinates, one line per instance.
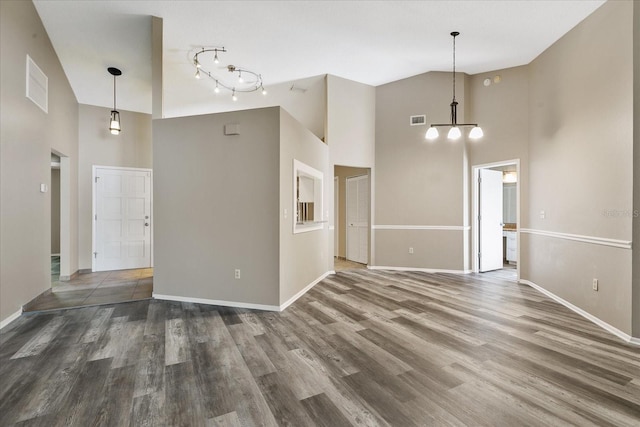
(122, 218)
(336, 222)
(490, 219)
(357, 201)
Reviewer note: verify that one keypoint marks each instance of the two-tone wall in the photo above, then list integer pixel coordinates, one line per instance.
(421, 189)
(580, 198)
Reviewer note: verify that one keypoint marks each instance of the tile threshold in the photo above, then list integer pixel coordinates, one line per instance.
(72, 307)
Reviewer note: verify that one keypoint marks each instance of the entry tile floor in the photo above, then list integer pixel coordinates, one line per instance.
(341, 264)
(106, 287)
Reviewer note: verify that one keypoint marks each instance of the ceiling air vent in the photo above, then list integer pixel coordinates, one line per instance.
(37, 85)
(418, 120)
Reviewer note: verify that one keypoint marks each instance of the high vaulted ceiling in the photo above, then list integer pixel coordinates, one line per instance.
(372, 42)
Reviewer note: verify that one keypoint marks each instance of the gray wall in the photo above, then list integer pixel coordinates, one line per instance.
(216, 203)
(132, 148)
(351, 118)
(28, 136)
(419, 182)
(581, 165)
(304, 257)
(502, 109)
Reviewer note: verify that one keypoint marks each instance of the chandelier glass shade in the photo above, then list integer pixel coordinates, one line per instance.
(454, 127)
(231, 78)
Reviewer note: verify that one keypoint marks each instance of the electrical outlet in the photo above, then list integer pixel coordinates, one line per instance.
(237, 273)
(595, 284)
(410, 250)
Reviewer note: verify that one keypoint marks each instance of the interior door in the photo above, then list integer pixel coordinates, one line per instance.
(490, 220)
(123, 219)
(358, 219)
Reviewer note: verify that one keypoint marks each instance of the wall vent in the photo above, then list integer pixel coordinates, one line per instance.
(37, 85)
(418, 120)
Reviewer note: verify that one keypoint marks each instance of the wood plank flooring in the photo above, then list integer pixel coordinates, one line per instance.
(363, 348)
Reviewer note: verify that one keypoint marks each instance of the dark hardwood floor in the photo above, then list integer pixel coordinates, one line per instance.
(361, 348)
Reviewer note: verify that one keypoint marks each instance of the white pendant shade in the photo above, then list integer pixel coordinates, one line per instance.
(114, 123)
(476, 133)
(454, 133)
(432, 133)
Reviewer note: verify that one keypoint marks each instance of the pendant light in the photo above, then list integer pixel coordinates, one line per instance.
(114, 122)
(454, 131)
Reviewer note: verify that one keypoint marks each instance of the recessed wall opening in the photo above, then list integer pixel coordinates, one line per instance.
(55, 218)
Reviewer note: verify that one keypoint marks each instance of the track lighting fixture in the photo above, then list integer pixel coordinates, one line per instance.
(244, 80)
(114, 119)
(454, 131)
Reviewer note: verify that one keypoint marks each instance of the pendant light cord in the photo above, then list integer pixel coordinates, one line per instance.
(114, 92)
(454, 68)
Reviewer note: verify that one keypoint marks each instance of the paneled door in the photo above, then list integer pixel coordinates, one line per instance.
(490, 220)
(358, 219)
(122, 217)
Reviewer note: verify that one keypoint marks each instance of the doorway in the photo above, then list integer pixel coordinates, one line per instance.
(55, 218)
(496, 216)
(122, 218)
(351, 206)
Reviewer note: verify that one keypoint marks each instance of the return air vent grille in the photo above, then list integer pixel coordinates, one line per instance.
(418, 120)
(37, 85)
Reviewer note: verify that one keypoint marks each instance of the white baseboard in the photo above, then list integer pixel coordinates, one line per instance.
(604, 325)
(11, 318)
(304, 291)
(216, 302)
(422, 270)
(243, 304)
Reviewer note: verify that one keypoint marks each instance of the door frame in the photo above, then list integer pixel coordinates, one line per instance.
(346, 217)
(65, 216)
(475, 265)
(94, 207)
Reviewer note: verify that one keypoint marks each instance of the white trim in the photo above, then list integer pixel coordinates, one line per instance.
(317, 175)
(331, 227)
(422, 227)
(624, 244)
(11, 318)
(216, 302)
(304, 290)
(604, 325)
(236, 304)
(422, 270)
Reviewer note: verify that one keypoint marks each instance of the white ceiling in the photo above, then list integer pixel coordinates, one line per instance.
(372, 42)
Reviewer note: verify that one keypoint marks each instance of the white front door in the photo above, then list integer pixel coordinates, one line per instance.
(122, 218)
(490, 220)
(358, 219)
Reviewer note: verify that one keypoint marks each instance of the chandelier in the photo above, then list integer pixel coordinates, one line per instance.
(454, 131)
(235, 79)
